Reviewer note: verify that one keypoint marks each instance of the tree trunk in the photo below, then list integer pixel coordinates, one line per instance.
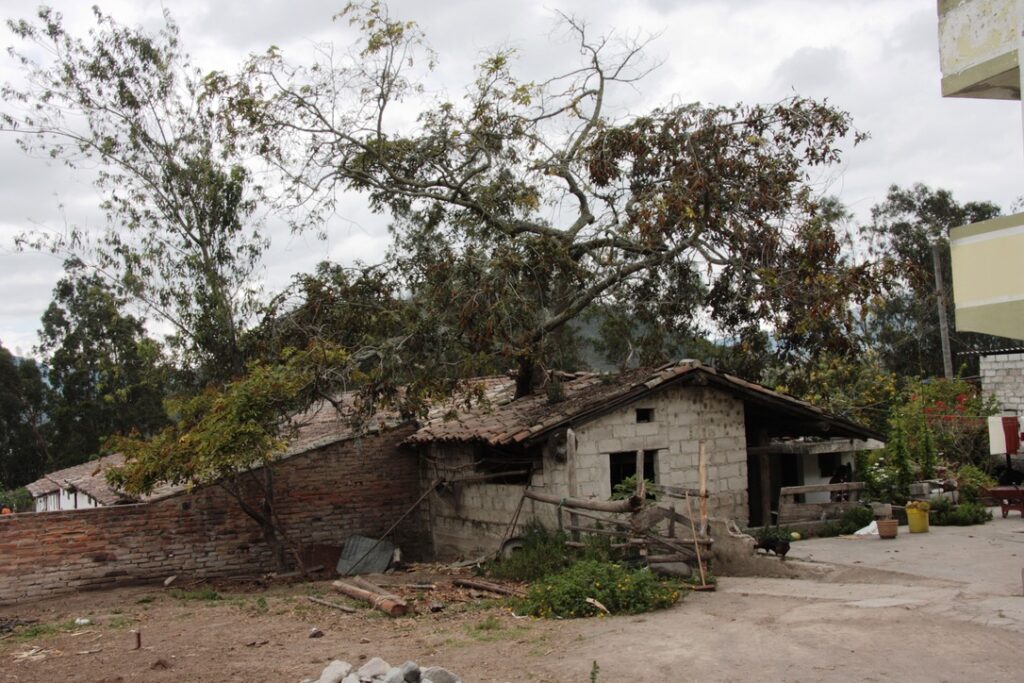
(525, 376)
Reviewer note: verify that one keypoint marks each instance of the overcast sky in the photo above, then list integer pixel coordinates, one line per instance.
(876, 59)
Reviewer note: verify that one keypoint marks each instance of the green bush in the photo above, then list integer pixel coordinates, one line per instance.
(853, 520)
(966, 514)
(972, 481)
(543, 553)
(620, 590)
(781, 533)
(18, 500)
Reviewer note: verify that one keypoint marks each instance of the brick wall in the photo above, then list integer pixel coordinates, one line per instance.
(1002, 376)
(324, 496)
(471, 519)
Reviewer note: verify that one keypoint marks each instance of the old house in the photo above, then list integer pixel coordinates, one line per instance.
(77, 488)
(685, 418)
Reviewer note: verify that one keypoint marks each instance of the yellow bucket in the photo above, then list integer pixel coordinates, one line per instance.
(917, 517)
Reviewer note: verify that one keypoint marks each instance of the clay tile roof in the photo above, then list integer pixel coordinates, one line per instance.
(505, 421)
(42, 486)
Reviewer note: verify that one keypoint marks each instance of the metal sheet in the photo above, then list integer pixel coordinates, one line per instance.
(362, 555)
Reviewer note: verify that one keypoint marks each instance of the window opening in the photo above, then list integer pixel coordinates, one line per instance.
(644, 415)
(622, 466)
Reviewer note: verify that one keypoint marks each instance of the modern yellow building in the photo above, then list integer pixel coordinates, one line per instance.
(980, 48)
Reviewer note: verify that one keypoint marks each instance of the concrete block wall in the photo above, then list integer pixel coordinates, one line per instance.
(472, 519)
(1002, 376)
(682, 418)
(324, 496)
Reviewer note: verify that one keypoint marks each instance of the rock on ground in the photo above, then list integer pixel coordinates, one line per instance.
(335, 672)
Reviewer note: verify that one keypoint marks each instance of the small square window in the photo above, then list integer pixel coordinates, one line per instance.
(645, 415)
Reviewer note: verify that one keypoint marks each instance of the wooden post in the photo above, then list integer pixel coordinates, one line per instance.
(641, 493)
(570, 464)
(702, 472)
(940, 301)
(766, 489)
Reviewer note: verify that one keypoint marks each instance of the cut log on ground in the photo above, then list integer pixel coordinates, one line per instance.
(389, 606)
(372, 587)
(490, 587)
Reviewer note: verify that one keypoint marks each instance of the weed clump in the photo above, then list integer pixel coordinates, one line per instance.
(620, 590)
(943, 513)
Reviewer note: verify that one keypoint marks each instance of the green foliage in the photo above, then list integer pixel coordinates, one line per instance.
(105, 372)
(853, 385)
(620, 590)
(852, 520)
(903, 324)
(221, 433)
(626, 489)
(972, 481)
(543, 553)
(943, 513)
(594, 671)
(201, 594)
(17, 500)
(125, 106)
(23, 399)
(777, 533)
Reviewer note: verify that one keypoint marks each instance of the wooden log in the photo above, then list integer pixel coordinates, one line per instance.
(488, 586)
(630, 505)
(389, 606)
(334, 605)
(372, 587)
(702, 467)
(670, 557)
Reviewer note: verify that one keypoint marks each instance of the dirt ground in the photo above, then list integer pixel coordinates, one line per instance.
(954, 613)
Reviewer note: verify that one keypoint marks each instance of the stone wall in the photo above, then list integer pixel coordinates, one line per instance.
(1002, 376)
(471, 519)
(324, 496)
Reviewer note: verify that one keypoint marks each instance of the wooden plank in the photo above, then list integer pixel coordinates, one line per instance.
(488, 586)
(820, 488)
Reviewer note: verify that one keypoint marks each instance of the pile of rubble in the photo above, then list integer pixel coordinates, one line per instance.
(378, 671)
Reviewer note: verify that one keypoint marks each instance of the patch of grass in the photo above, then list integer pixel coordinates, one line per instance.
(145, 600)
(36, 631)
(261, 605)
(207, 594)
(492, 629)
(121, 622)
